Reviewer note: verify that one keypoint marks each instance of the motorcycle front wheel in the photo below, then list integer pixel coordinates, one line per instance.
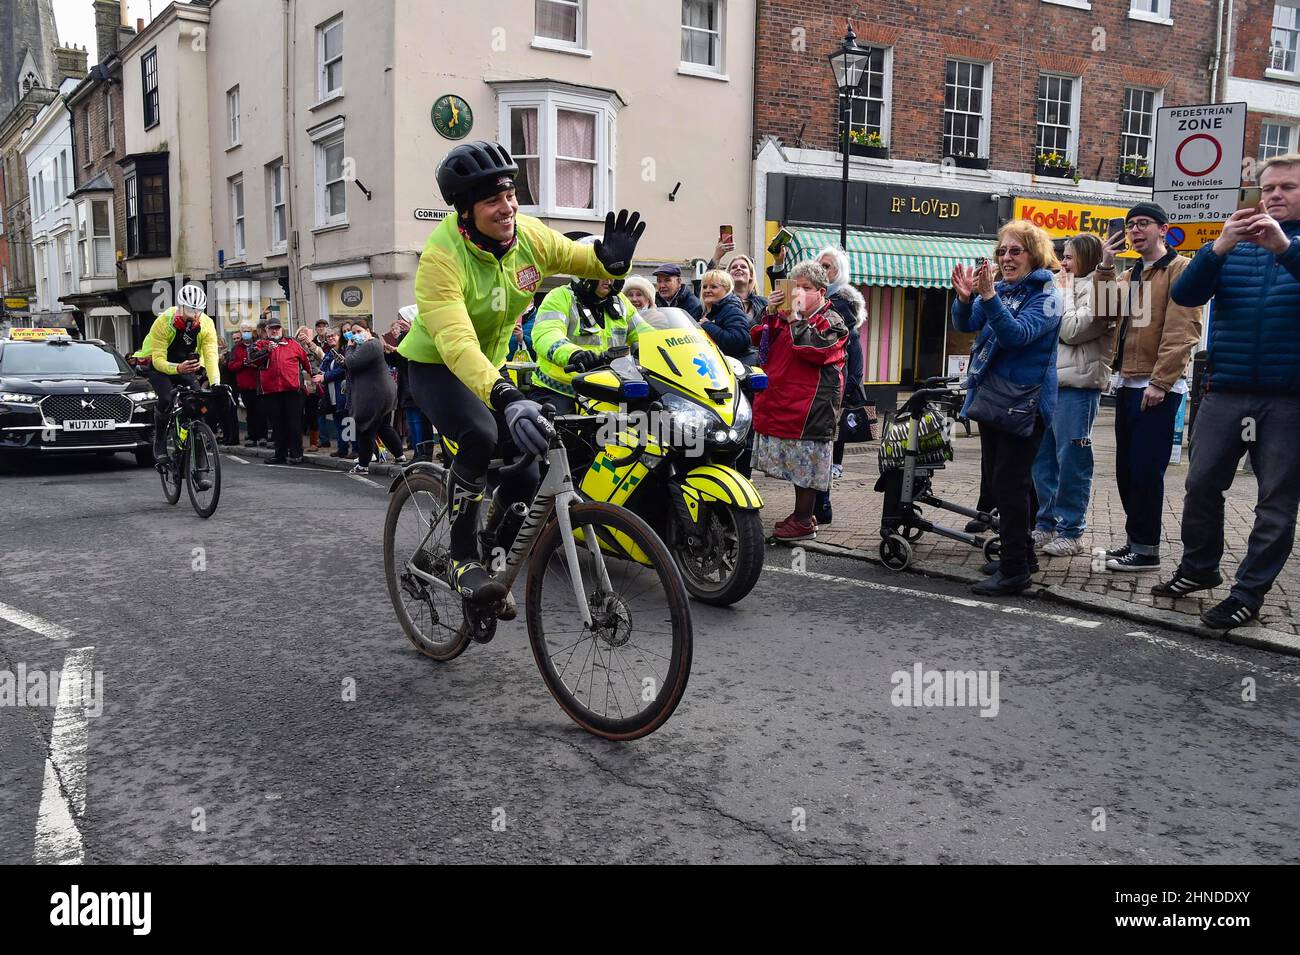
(724, 567)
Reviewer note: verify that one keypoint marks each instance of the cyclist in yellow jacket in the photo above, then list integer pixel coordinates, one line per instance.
(181, 343)
(477, 274)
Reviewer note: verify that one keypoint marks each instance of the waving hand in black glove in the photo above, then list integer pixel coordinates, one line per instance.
(621, 236)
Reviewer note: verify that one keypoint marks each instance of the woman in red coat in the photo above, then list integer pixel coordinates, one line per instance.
(246, 384)
(801, 346)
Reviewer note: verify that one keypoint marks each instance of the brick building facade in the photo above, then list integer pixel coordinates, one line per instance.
(1264, 72)
(964, 103)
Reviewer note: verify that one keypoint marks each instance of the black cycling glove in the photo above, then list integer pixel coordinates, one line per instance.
(587, 360)
(615, 250)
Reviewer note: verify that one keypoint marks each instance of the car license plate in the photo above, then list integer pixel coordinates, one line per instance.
(92, 424)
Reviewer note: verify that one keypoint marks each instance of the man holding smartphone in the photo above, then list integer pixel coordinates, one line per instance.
(182, 344)
(1252, 394)
(1156, 338)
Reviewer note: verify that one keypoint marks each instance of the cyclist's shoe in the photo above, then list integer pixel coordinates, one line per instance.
(508, 609)
(471, 581)
(202, 484)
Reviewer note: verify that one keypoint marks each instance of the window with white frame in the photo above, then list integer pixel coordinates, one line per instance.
(1154, 10)
(966, 109)
(109, 136)
(65, 264)
(1137, 126)
(563, 140)
(276, 214)
(331, 182)
(1275, 139)
(702, 34)
(42, 274)
(130, 190)
(559, 23)
(237, 216)
(1058, 115)
(65, 176)
(869, 104)
(232, 116)
(329, 56)
(1285, 39)
(95, 238)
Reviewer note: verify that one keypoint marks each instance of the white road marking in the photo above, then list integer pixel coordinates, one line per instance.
(945, 598)
(1216, 657)
(235, 457)
(34, 623)
(364, 480)
(63, 795)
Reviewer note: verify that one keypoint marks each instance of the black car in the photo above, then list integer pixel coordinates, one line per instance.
(60, 396)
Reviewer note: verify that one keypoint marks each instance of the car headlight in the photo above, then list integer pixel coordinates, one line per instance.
(142, 396)
(689, 419)
(18, 398)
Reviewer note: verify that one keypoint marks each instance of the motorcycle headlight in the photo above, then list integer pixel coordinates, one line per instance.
(19, 398)
(744, 416)
(691, 420)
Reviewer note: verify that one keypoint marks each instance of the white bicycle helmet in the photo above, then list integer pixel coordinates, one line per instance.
(193, 297)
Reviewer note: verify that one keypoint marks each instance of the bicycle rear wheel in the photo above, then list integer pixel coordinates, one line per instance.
(416, 535)
(622, 677)
(170, 472)
(203, 470)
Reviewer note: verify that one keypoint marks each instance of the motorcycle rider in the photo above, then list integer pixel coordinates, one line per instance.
(576, 324)
(477, 274)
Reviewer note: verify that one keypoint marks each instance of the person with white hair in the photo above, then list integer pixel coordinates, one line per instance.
(849, 303)
(640, 291)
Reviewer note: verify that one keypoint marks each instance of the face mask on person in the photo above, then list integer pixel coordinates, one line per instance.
(246, 336)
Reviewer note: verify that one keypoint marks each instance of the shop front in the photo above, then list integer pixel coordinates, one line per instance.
(349, 300)
(903, 244)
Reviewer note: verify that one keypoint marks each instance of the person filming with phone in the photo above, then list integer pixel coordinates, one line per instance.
(1251, 402)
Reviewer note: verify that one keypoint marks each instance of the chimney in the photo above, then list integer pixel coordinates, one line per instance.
(108, 16)
(139, 24)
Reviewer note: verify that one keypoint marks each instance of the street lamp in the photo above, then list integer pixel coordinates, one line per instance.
(849, 63)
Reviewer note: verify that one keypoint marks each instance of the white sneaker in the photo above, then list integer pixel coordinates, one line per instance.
(1040, 538)
(359, 469)
(1063, 547)
(837, 470)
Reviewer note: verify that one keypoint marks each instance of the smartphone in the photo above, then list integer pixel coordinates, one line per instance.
(780, 241)
(787, 287)
(1116, 227)
(192, 356)
(726, 234)
(1249, 198)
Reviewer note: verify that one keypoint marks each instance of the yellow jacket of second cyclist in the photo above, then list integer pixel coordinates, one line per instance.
(562, 327)
(469, 301)
(168, 346)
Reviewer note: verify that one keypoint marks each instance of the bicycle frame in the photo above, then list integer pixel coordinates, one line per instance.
(556, 493)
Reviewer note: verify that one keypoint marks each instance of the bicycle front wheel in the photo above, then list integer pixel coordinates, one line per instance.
(203, 470)
(621, 677)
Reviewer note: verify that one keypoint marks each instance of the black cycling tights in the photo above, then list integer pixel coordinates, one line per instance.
(162, 386)
(459, 414)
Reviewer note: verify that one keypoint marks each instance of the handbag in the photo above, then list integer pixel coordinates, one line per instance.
(855, 421)
(1001, 403)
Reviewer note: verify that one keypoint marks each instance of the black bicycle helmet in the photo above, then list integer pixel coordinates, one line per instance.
(471, 166)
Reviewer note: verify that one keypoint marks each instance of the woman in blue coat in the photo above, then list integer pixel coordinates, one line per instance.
(1017, 319)
(724, 319)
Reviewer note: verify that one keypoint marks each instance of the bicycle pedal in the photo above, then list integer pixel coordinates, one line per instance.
(507, 609)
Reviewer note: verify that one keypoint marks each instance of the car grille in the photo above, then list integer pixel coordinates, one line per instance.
(61, 408)
(96, 439)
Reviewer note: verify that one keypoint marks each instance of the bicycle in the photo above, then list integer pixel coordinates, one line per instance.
(641, 649)
(192, 455)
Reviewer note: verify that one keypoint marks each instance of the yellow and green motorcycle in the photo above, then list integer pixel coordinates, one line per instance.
(669, 459)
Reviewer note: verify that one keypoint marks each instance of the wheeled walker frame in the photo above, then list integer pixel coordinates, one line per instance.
(906, 476)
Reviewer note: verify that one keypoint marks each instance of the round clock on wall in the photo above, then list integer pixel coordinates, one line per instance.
(452, 117)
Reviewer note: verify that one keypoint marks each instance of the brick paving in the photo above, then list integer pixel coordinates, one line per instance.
(857, 526)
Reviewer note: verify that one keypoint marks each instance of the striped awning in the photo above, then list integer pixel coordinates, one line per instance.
(888, 259)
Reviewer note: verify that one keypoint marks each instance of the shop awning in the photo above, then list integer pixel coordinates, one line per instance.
(885, 259)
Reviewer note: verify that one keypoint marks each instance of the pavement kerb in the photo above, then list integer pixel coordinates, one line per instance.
(1259, 637)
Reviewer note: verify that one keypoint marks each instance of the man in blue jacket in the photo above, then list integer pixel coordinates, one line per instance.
(1252, 395)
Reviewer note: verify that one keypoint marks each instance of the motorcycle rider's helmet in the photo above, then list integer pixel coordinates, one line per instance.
(585, 289)
(475, 171)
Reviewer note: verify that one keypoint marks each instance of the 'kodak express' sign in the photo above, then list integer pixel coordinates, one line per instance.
(1065, 219)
